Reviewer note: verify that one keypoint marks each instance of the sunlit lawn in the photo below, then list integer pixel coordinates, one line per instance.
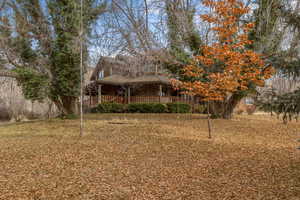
(142, 156)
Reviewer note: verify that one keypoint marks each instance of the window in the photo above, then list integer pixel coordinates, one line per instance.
(101, 74)
(249, 101)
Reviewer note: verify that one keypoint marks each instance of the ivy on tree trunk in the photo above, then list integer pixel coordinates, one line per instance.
(42, 43)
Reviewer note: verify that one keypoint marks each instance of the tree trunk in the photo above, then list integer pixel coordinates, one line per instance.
(70, 105)
(231, 104)
(224, 109)
(67, 105)
(208, 120)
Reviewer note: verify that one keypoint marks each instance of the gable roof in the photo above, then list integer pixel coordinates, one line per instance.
(107, 61)
(127, 66)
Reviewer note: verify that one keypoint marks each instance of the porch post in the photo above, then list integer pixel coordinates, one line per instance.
(90, 96)
(160, 92)
(128, 95)
(100, 94)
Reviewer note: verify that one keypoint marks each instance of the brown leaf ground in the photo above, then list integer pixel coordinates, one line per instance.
(150, 157)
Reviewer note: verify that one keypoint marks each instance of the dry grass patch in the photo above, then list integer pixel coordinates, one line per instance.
(150, 157)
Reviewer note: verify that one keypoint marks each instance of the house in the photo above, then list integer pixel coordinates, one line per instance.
(125, 79)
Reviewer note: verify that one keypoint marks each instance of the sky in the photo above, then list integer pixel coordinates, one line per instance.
(155, 15)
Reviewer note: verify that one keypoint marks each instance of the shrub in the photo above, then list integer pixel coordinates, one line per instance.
(146, 108)
(138, 108)
(200, 109)
(93, 110)
(178, 108)
(159, 108)
(108, 108)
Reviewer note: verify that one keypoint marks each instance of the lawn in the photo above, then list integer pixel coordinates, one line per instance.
(151, 157)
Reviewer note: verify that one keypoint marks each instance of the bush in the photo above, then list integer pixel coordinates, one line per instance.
(146, 108)
(178, 108)
(159, 108)
(108, 108)
(200, 109)
(138, 108)
(93, 110)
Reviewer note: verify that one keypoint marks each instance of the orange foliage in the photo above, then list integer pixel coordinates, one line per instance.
(241, 66)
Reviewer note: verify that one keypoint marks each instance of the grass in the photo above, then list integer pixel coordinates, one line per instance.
(139, 156)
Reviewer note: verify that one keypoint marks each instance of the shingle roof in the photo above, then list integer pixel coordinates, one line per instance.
(145, 79)
(113, 80)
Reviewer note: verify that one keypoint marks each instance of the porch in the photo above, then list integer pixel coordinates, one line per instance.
(144, 89)
(94, 100)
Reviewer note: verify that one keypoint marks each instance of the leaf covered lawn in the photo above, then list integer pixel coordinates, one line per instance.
(150, 157)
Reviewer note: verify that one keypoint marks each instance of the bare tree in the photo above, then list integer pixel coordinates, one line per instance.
(33, 36)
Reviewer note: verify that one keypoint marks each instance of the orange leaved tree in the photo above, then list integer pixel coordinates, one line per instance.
(226, 70)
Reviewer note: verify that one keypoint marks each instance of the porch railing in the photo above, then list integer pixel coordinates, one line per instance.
(141, 99)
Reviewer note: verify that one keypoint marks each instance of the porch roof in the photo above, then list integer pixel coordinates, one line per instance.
(113, 80)
(146, 79)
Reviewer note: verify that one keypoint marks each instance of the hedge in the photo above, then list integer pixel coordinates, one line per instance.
(142, 108)
(146, 108)
(200, 109)
(178, 108)
(108, 108)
